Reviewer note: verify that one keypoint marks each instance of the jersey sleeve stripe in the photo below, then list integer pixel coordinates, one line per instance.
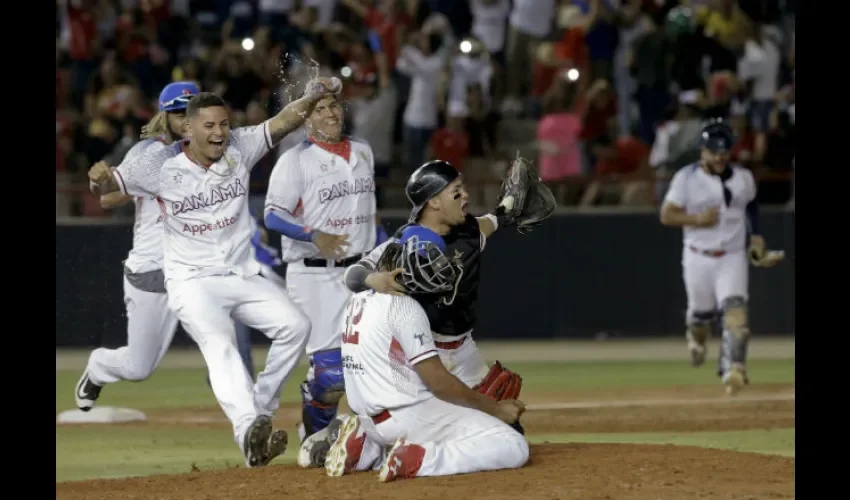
(120, 179)
(422, 356)
(267, 134)
(277, 208)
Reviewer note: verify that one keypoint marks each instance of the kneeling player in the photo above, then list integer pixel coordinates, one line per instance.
(401, 393)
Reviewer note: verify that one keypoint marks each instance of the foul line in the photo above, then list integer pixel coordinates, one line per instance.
(211, 419)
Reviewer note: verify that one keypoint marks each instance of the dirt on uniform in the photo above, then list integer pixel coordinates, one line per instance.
(556, 471)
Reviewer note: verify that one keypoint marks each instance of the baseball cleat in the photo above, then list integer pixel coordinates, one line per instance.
(256, 442)
(276, 445)
(698, 352)
(403, 462)
(86, 393)
(314, 450)
(345, 452)
(734, 380)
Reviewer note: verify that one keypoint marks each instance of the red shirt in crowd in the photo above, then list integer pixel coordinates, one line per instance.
(596, 119)
(83, 30)
(630, 153)
(451, 146)
(387, 29)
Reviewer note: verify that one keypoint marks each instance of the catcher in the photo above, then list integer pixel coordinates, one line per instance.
(440, 203)
(715, 204)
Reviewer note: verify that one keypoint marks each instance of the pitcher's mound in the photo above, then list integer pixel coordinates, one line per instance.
(556, 471)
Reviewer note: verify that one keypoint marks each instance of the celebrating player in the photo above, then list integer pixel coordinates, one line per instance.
(321, 198)
(210, 275)
(714, 202)
(440, 201)
(399, 389)
(150, 323)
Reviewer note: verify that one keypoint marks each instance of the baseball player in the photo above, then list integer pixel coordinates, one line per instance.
(714, 202)
(321, 199)
(401, 393)
(440, 202)
(210, 274)
(150, 323)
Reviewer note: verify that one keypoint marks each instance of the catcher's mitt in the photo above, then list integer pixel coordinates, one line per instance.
(768, 259)
(524, 200)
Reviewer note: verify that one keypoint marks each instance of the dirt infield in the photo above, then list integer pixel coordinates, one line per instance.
(575, 471)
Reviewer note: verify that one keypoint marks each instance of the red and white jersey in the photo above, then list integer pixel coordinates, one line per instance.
(383, 337)
(208, 225)
(695, 190)
(323, 191)
(146, 254)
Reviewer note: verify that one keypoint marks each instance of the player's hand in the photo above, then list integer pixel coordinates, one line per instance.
(100, 172)
(320, 87)
(757, 247)
(708, 218)
(331, 246)
(385, 282)
(510, 410)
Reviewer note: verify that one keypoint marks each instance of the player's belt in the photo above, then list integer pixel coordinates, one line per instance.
(348, 261)
(448, 346)
(709, 253)
(381, 417)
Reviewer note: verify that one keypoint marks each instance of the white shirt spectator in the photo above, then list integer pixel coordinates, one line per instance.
(467, 71)
(489, 22)
(533, 17)
(425, 72)
(761, 63)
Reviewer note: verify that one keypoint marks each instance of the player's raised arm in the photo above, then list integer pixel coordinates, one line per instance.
(413, 332)
(363, 275)
(138, 177)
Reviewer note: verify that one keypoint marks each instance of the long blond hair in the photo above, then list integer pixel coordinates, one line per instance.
(156, 127)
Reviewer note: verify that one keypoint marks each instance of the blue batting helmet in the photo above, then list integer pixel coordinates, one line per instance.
(175, 96)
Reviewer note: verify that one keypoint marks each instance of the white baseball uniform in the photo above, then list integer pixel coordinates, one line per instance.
(321, 190)
(459, 353)
(714, 260)
(150, 323)
(211, 275)
(384, 337)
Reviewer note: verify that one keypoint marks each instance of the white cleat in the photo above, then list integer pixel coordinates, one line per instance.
(345, 452)
(734, 380)
(314, 450)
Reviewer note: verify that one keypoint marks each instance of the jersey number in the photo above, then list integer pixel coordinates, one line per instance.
(352, 318)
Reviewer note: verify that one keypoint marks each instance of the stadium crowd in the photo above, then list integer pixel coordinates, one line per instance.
(616, 89)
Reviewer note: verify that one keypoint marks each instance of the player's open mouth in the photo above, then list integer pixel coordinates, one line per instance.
(217, 142)
(463, 206)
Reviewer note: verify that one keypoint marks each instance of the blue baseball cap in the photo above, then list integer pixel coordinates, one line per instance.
(422, 234)
(176, 95)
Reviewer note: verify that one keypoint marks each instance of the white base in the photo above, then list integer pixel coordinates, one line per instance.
(100, 415)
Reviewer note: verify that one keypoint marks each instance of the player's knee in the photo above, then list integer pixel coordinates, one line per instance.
(515, 450)
(699, 325)
(328, 384)
(137, 372)
(297, 327)
(736, 317)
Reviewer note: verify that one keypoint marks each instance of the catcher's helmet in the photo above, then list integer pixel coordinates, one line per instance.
(427, 182)
(717, 136)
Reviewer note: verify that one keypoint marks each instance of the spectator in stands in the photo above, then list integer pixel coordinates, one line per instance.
(489, 26)
(601, 38)
(558, 134)
(759, 69)
(423, 59)
(598, 108)
(630, 29)
(374, 101)
(649, 65)
(530, 22)
(622, 169)
(469, 95)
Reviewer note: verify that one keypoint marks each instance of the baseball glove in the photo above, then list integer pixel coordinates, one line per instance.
(500, 383)
(768, 259)
(524, 200)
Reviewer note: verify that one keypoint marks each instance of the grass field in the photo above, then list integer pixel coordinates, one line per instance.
(631, 392)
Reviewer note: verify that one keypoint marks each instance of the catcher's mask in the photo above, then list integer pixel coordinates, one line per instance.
(425, 267)
(427, 182)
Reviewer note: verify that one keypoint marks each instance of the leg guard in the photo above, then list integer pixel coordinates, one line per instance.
(698, 332)
(500, 383)
(321, 392)
(736, 335)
